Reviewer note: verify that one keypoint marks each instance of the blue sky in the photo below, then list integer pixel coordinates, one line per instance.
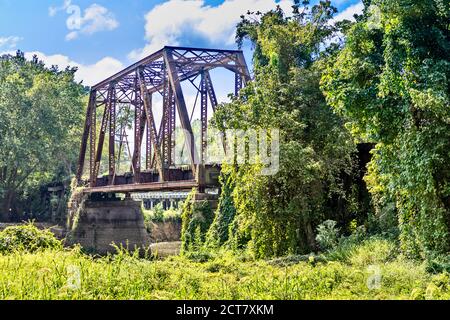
(108, 35)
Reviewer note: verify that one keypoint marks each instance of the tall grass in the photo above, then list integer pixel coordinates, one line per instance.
(70, 274)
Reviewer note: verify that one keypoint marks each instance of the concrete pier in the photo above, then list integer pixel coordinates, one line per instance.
(101, 223)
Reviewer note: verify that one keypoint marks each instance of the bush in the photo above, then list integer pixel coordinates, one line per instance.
(373, 251)
(158, 214)
(438, 263)
(27, 237)
(197, 217)
(218, 233)
(327, 235)
(198, 256)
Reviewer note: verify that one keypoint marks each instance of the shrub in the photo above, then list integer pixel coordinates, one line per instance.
(438, 263)
(158, 214)
(27, 237)
(373, 251)
(404, 111)
(197, 217)
(327, 235)
(218, 233)
(198, 256)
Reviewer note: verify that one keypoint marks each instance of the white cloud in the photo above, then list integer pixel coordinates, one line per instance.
(9, 42)
(52, 11)
(168, 23)
(95, 18)
(90, 74)
(348, 13)
(71, 35)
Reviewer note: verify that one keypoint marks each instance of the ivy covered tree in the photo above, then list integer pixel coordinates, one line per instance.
(41, 112)
(278, 214)
(391, 83)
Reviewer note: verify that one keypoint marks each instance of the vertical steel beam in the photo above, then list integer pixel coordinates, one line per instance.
(142, 124)
(148, 153)
(150, 123)
(181, 107)
(204, 116)
(214, 103)
(112, 134)
(172, 130)
(92, 142)
(159, 141)
(238, 83)
(165, 122)
(137, 137)
(101, 138)
(84, 139)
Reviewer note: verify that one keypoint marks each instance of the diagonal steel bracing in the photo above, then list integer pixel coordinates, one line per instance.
(161, 73)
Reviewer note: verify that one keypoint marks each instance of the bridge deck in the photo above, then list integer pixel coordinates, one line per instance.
(142, 187)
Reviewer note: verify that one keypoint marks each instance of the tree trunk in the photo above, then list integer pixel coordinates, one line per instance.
(310, 238)
(7, 205)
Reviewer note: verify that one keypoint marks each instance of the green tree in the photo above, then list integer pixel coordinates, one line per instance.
(279, 213)
(41, 111)
(219, 231)
(391, 83)
(196, 217)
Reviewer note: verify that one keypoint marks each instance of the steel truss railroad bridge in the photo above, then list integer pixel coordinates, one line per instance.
(161, 73)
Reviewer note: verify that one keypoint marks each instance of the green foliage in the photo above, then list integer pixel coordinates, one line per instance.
(327, 235)
(277, 215)
(158, 212)
(390, 82)
(69, 274)
(27, 238)
(41, 112)
(218, 233)
(438, 263)
(197, 217)
(159, 215)
(373, 252)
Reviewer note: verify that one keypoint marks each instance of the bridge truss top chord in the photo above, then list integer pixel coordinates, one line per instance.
(132, 90)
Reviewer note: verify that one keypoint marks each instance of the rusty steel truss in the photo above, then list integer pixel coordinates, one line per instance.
(159, 74)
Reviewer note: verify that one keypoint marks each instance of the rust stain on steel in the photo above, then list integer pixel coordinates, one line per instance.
(138, 187)
(161, 73)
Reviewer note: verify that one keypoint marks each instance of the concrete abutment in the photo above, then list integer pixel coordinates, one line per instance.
(101, 223)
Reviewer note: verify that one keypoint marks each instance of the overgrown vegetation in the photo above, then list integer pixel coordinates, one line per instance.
(27, 238)
(41, 112)
(313, 229)
(197, 217)
(158, 214)
(371, 271)
(390, 82)
(221, 229)
(277, 215)
(385, 84)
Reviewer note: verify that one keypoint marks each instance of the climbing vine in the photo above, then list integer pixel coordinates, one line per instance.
(219, 232)
(197, 217)
(391, 83)
(277, 214)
